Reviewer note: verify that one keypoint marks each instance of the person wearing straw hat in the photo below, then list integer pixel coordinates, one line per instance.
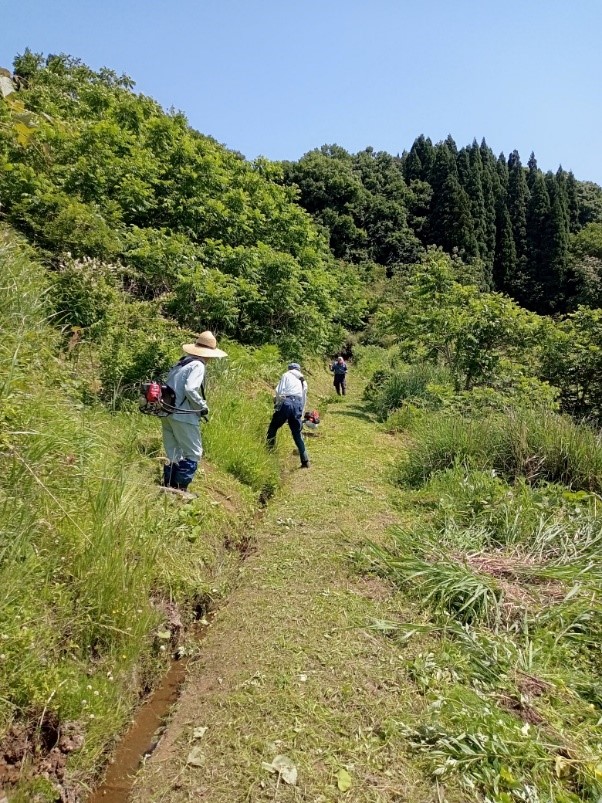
(181, 429)
(289, 403)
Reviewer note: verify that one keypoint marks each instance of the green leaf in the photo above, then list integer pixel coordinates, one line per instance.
(344, 782)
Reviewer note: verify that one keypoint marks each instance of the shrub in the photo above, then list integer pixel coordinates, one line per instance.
(136, 343)
(83, 291)
(158, 257)
(573, 362)
(421, 383)
(90, 549)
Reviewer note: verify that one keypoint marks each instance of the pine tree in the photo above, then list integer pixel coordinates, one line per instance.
(475, 191)
(573, 202)
(560, 181)
(451, 224)
(554, 270)
(491, 192)
(412, 166)
(451, 144)
(517, 199)
(504, 262)
(532, 292)
(532, 171)
(423, 149)
(502, 172)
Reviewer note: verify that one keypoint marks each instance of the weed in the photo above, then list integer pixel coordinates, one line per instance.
(422, 384)
(442, 585)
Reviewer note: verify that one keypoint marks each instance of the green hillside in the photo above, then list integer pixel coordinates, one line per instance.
(465, 290)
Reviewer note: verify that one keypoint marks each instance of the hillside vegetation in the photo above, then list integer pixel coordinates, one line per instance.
(98, 571)
(105, 175)
(466, 288)
(532, 235)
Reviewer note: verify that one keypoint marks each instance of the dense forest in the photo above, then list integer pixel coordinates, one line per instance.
(531, 235)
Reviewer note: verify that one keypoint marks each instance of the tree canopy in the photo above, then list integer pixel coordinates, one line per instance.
(106, 174)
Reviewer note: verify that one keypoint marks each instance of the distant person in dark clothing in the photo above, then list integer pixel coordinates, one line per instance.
(339, 369)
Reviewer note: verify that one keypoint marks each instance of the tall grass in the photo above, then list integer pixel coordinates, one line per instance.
(240, 397)
(443, 585)
(90, 551)
(421, 384)
(544, 519)
(500, 552)
(540, 446)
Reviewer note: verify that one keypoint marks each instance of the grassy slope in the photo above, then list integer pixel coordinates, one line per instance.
(92, 557)
(291, 665)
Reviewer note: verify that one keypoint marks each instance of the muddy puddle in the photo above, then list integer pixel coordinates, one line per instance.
(144, 733)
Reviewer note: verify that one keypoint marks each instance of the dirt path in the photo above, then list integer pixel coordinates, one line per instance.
(291, 666)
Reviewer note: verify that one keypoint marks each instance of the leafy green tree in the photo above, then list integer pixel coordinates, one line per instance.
(471, 333)
(107, 175)
(573, 362)
(586, 265)
(588, 242)
(589, 202)
(330, 190)
(419, 204)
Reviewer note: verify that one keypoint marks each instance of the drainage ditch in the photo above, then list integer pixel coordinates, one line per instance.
(144, 733)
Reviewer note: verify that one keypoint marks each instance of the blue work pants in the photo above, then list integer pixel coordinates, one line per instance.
(290, 412)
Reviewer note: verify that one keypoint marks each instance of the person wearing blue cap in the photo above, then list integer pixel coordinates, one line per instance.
(289, 403)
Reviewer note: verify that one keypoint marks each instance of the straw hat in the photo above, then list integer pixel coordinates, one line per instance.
(205, 346)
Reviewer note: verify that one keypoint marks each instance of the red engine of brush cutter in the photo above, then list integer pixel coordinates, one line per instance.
(153, 393)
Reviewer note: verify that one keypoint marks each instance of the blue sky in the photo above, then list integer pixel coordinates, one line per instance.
(278, 78)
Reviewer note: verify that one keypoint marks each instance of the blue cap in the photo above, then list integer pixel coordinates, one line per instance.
(294, 366)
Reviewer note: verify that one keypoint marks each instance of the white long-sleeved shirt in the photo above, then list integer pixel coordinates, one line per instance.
(292, 383)
(186, 381)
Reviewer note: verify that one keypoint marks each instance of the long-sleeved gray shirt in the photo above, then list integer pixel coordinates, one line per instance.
(186, 381)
